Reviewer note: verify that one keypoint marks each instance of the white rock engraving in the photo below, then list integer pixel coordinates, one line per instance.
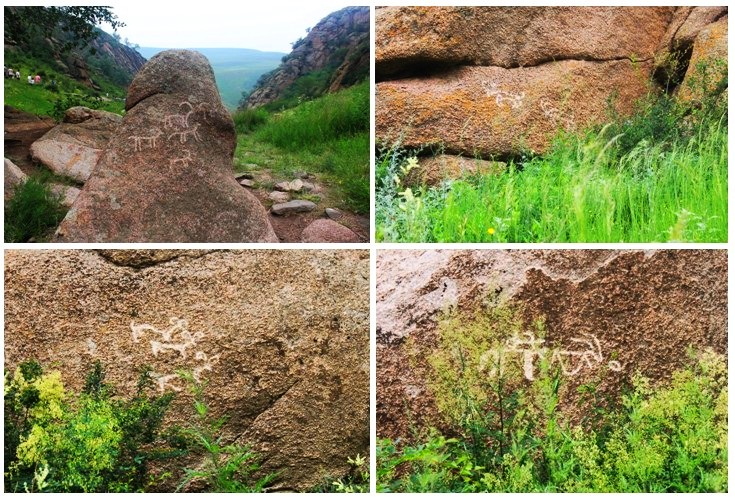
(184, 134)
(510, 99)
(149, 140)
(530, 348)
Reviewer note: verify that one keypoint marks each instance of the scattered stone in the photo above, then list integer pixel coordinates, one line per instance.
(283, 186)
(165, 175)
(67, 193)
(307, 186)
(295, 206)
(279, 197)
(333, 213)
(324, 230)
(240, 176)
(296, 185)
(246, 182)
(72, 149)
(303, 175)
(14, 176)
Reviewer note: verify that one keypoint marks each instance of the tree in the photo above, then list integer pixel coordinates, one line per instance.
(22, 23)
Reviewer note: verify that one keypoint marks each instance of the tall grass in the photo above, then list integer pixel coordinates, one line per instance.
(585, 189)
(329, 135)
(33, 212)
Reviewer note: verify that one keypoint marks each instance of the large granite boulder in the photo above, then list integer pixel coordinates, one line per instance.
(281, 337)
(708, 64)
(422, 38)
(73, 148)
(13, 177)
(166, 175)
(494, 111)
(630, 311)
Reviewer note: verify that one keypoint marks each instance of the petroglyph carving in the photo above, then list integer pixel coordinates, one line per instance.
(175, 339)
(149, 140)
(205, 110)
(183, 161)
(530, 348)
(184, 134)
(179, 120)
(510, 99)
(555, 115)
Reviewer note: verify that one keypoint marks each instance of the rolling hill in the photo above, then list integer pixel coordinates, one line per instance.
(236, 70)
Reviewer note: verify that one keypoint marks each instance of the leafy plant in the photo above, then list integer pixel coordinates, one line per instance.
(226, 467)
(512, 436)
(91, 442)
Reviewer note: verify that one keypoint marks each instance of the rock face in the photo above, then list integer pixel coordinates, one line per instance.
(646, 308)
(285, 354)
(73, 148)
(509, 37)
(339, 43)
(432, 170)
(493, 111)
(709, 49)
(496, 81)
(166, 175)
(14, 176)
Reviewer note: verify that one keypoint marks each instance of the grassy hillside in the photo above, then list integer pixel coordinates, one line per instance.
(236, 70)
(49, 100)
(329, 135)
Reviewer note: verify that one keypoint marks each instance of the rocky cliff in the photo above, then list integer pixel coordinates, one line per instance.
(614, 313)
(498, 81)
(335, 52)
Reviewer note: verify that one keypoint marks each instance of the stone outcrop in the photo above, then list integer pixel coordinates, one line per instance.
(419, 38)
(339, 43)
(497, 81)
(496, 112)
(710, 50)
(281, 337)
(73, 148)
(646, 309)
(166, 175)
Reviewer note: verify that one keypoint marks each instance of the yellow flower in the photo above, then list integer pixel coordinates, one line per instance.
(490, 231)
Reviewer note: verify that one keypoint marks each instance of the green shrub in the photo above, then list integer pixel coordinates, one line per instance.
(58, 441)
(511, 435)
(357, 480)
(32, 212)
(226, 467)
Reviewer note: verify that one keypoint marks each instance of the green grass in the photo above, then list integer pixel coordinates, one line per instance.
(33, 212)
(40, 100)
(658, 176)
(329, 135)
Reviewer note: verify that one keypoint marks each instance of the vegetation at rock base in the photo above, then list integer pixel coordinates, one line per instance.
(660, 175)
(33, 212)
(57, 440)
(329, 135)
(356, 481)
(510, 435)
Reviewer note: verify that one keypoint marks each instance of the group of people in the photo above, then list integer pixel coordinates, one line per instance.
(10, 73)
(15, 74)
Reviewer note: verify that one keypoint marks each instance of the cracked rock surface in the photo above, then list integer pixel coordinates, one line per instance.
(285, 354)
(646, 309)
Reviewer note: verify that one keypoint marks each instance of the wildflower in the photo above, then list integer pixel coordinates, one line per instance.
(490, 231)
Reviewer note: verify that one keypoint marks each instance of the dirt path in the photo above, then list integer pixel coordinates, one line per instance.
(288, 228)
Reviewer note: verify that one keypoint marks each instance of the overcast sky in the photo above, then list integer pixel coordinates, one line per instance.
(267, 25)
